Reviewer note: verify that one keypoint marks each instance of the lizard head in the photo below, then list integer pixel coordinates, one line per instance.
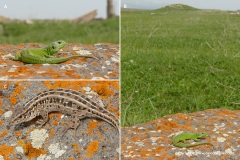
(201, 134)
(21, 117)
(17, 57)
(56, 46)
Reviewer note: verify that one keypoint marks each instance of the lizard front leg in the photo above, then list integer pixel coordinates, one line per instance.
(44, 120)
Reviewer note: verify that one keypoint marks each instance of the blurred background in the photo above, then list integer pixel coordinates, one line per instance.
(94, 21)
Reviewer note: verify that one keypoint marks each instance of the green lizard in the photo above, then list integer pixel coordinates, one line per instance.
(182, 137)
(44, 55)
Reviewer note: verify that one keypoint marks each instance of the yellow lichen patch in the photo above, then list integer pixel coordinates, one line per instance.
(91, 126)
(92, 148)
(33, 152)
(21, 143)
(71, 159)
(76, 148)
(3, 133)
(5, 151)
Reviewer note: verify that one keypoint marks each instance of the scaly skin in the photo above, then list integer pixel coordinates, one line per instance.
(182, 137)
(33, 59)
(44, 55)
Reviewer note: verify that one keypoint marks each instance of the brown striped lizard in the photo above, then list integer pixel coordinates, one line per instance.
(66, 101)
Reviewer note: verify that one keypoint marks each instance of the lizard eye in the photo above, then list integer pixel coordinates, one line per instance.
(53, 47)
(59, 42)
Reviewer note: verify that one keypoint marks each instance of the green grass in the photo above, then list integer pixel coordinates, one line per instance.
(46, 32)
(178, 60)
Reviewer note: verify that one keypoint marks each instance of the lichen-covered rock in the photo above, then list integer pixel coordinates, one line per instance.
(105, 66)
(153, 140)
(94, 138)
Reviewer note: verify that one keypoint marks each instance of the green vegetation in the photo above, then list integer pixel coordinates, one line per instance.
(178, 60)
(49, 31)
(178, 6)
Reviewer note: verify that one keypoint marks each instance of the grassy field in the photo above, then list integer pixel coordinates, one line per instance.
(178, 60)
(46, 32)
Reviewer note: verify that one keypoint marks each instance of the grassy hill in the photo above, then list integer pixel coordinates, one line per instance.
(178, 6)
(48, 31)
(178, 60)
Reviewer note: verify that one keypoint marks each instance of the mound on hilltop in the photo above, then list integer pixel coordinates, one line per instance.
(179, 6)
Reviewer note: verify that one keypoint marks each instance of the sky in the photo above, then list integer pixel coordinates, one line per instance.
(201, 4)
(53, 9)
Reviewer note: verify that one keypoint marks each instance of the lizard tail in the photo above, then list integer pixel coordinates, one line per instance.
(190, 145)
(53, 60)
(56, 60)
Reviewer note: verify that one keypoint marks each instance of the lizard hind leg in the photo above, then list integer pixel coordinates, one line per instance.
(74, 123)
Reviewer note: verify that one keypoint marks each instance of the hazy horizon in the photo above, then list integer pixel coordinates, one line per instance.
(204, 4)
(54, 9)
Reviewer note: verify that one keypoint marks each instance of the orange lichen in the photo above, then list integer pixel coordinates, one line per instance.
(15, 94)
(5, 151)
(71, 159)
(91, 126)
(166, 125)
(117, 114)
(76, 147)
(92, 148)
(103, 89)
(77, 76)
(18, 133)
(33, 152)
(1, 122)
(58, 115)
(115, 85)
(95, 64)
(108, 56)
(13, 98)
(70, 72)
(3, 133)
(112, 109)
(1, 111)
(21, 96)
(55, 122)
(227, 112)
(64, 84)
(52, 132)
(1, 101)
